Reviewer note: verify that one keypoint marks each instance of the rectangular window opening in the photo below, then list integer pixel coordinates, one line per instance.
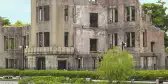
(40, 13)
(46, 13)
(11, 43)
(66, 13)
(145, 38)
(133, 39)
(66, 34)
(128, 13)
(130, 39)
(116, 39)
(116, 15)
(93, 45)
(46, 39)
(133, 13)
(152, 46)
(93, 19)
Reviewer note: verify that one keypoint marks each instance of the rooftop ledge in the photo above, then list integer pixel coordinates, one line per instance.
(49, 50)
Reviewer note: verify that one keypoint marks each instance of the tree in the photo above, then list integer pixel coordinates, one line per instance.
(18, 23)
(159, 16)
(116, 65)
(5, 22)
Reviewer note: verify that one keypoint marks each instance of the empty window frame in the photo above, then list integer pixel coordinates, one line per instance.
(24, 40)
(46, 13)
(152, 46)
(130, 38)
(113, 15)
(109, 41)
(9, 43)
(93, 19)
(27, 40)
(43, 39)
(66, 13)
(130, 13)
(43, 13)
(133, 13)
(93, 45)
(40, 39)
(6, 43)
(113, 40)
(145, 38)
(66, 34)
(39, 13)
(46, 39)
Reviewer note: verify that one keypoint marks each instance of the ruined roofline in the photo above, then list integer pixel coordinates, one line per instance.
(157, 28)
(16, 26)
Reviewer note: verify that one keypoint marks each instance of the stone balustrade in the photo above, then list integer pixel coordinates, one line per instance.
(49, 51)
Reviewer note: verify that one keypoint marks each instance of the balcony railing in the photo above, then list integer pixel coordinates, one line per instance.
(49, 50)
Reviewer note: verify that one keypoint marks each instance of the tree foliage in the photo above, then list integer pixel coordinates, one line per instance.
(159, 16)
(18, 23)
(116, 65)
(5, 21)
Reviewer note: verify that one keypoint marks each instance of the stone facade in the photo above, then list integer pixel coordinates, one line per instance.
(12, 40)
(74, 34)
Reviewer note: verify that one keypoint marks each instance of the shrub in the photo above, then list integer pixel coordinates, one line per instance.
(71, 74)
(151, 74)
(140, 74)
(9, 72)
(57, 73)
(53, 80)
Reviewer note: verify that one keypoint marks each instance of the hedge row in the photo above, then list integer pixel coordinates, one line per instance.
(152, 74)
(142, 74)
(56, 80)
(58, 73)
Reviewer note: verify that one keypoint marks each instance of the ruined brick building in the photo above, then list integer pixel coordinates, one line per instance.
(74, 34)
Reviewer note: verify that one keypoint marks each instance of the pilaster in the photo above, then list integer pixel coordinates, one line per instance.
(31, 62)
(51, 62)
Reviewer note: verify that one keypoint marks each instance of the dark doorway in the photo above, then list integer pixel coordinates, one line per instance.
(61, 64)
(40, 63)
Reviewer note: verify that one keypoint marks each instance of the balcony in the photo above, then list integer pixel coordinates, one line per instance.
(49, 51)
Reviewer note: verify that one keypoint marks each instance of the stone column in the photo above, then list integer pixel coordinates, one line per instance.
(51, 62)
(31, 62)
(142, 62)
(54, 26)
(150, 62)
(60, 29)
(33, 23)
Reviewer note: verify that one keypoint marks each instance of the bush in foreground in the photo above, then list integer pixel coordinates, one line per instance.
(55, 80)
(140, 74)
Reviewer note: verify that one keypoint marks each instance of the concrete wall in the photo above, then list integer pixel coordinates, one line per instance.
(1, 46)
(84, 32)
(80, 31)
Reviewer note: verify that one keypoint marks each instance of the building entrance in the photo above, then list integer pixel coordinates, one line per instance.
(61, 64)
(40, 63)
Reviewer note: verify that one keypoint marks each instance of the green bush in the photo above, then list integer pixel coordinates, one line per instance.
(140, 74)
(9, 72)
(71, 74)
(57, 73)
(151, 74)
(53, 80)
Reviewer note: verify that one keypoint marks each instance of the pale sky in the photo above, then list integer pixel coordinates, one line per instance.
(20, 9)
